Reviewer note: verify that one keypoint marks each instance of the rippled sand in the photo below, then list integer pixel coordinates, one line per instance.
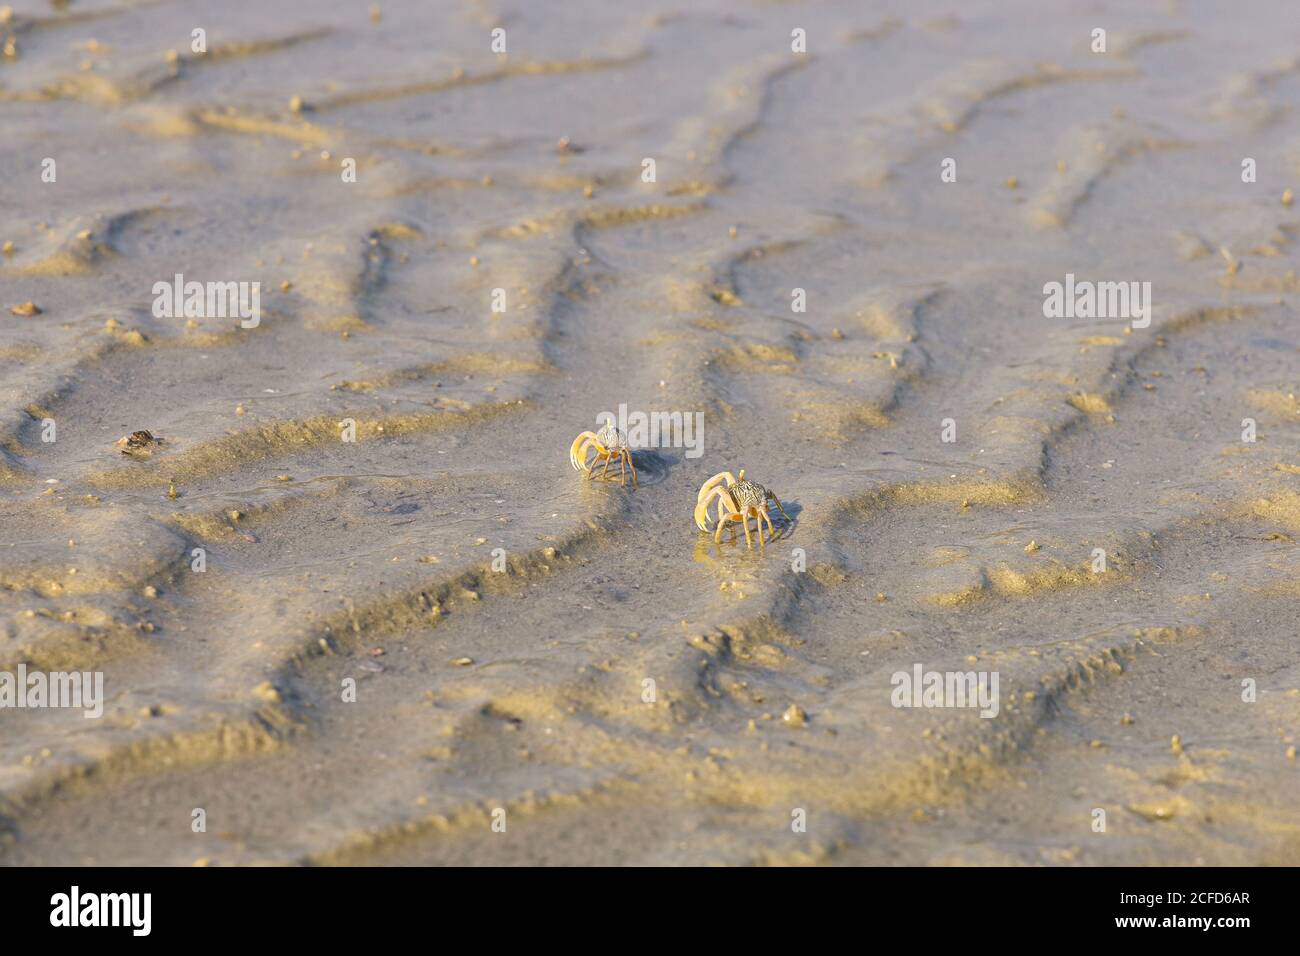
(524, 691)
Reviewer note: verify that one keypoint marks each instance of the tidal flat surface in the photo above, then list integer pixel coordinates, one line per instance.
(349, 680)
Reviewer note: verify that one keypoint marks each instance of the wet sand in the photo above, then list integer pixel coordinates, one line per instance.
(524, 690)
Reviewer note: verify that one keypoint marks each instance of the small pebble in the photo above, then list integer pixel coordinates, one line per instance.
(795, 716)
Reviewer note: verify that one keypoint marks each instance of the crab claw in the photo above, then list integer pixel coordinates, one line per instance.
(722, 476)
(715, 487)
(578, 450)
(702, 515)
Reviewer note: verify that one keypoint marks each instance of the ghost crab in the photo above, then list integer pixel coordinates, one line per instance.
(609, 444)
(738, 500)
(141, 441)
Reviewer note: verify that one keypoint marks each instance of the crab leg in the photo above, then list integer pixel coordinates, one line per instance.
(632, 465)
(732, 503)
(727, 506)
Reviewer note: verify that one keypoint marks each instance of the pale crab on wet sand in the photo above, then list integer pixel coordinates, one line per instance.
(608, 444)
(738, 500)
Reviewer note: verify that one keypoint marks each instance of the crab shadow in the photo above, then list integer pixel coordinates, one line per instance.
(652, 467)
